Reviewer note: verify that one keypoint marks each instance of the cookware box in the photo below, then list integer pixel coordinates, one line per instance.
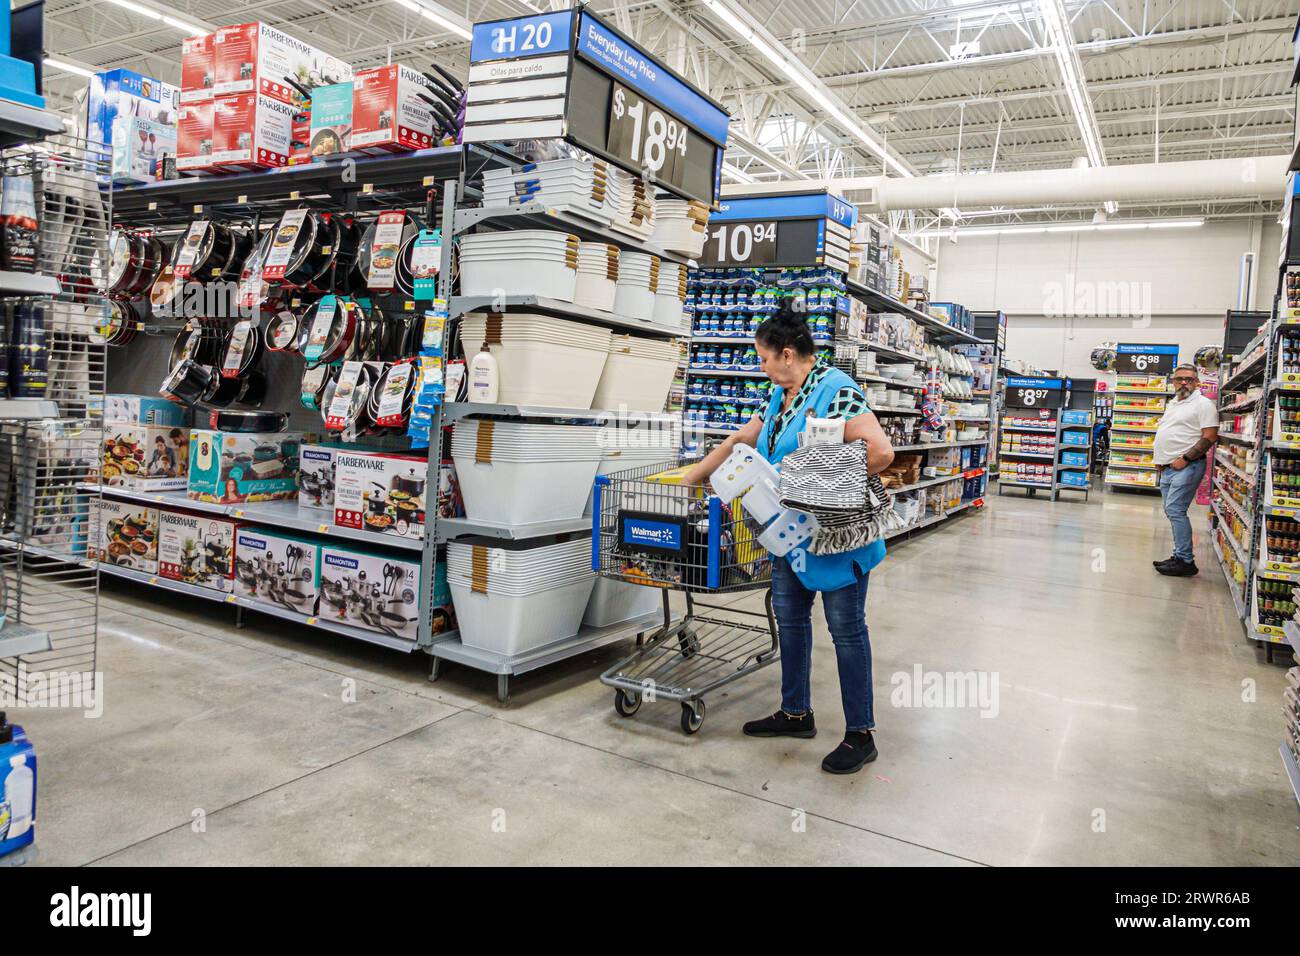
(196, 69)
(281, 570)
(258, 58)
(142, 409)
(145, 457)
(123, 533)
(380, 593)
(381, 493)
(388, 113)
(197, 549)
(230, 467)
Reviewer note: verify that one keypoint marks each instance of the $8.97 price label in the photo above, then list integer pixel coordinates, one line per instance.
(644, 135)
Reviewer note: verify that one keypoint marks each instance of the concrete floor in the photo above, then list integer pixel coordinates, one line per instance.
(1121, 737)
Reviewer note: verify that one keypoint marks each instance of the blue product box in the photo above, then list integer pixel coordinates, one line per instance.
(1070, 416)
(1076, 458)
(1074, 479)
(331, 119)
(227, 467)
(17, 789)
(1079, 438)
(118, 96)
(143, 410)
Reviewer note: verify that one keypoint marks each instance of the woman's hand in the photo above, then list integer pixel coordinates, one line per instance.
(880, 451)
(707, 465)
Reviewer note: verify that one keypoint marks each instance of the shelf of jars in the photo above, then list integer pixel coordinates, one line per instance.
(1139, 401)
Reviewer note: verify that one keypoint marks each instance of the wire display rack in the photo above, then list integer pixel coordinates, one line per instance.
(50, 436)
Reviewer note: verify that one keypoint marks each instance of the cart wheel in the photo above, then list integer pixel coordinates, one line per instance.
(692, 716)
(689, 642)
(626, 702)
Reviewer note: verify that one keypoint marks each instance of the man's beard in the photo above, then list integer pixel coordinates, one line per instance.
(1185, 390)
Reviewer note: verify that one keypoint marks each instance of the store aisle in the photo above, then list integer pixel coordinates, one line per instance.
(1118, 733)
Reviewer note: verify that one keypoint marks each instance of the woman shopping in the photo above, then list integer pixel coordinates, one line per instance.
(806, 387)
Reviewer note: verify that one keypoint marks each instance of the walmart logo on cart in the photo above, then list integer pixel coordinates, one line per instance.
(656, 533)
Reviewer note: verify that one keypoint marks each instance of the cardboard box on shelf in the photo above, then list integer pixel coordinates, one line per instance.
(277, 569)
(382, 493)
(142, 409)
(123, 533)
(197, 549)
(196, 69)
(257, 58)
(140, 146)
(388, 114)
(145, 457)
(194, 137)
(316, 476)
(329, 128)
(228, 467)
(115, 98)
(251, 131)
(379, 592)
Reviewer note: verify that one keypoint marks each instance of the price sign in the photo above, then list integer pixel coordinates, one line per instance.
(1145, 359)
(741, 244)
(644, 136)
(786, 229)
(1032, 392)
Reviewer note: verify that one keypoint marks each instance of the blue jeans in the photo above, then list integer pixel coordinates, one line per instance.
(1178, 488)
(847, 618)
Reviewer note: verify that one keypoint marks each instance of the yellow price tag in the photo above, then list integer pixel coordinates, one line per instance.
(408, 305)
(367, 188)
(427, 181)
(321, 529)
(242, 200)
(153, 580)
(238, 514)
(311, 620)
(153, 207)
(293, 195)
(230, 599)
(198, 209)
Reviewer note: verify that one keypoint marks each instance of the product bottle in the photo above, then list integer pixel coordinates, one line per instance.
(28, 357)
(18, 227)
(484, 382)
(20, 794)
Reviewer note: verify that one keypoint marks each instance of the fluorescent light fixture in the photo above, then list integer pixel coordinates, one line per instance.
(1057, 22)
(188, 29)
(175, 22)
(818, 95)
(440, 17)
(67, 67)
(1029, 230)
(138, 8)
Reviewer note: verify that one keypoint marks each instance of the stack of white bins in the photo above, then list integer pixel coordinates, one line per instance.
(520, 596)
(638, 283)
(578, 186)
(538, 262)
(670, 297)
(632, 208)
(541, 360)
(523, 472)
(597, 275)
(681, 225)
(638, 374)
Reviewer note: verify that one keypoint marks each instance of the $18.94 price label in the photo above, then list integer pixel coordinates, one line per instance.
(645, 136)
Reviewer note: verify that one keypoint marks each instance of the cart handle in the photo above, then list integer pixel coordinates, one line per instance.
(597, 488)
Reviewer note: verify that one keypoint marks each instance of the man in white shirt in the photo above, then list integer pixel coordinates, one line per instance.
(1187, 431)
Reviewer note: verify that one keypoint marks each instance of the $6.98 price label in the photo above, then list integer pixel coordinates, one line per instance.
(643, 134)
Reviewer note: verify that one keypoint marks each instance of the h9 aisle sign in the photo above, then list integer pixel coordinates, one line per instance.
(1145, 359)
(1031, 391)
(568, 75)
(790, 229)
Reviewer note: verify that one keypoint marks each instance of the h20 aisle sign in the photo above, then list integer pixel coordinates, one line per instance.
(798, 229)
(1145, 359)
(1034, 392)
(568, 75)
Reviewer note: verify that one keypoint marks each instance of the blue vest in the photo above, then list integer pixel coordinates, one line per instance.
(821, 572)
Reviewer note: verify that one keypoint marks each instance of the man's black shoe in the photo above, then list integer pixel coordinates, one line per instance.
(782, 724)
(1165, 563)
(1179, 569)
(857, 750)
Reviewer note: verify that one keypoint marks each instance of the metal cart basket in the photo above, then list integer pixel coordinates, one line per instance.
(650, 531)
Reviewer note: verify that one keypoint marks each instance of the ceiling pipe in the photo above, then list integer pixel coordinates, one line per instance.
(1256, 178)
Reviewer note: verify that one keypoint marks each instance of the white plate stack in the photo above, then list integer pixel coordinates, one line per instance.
(578, 186)
(538, 262)
(515, 598)
(541, 360)
(681, 225)
(632, 208)
(638, 375)
(524, 472)
(670, 297)
(638, 283)
(597, 275)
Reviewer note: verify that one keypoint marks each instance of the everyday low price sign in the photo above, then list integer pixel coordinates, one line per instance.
(782, 230)
(1025, 391)
(1145, 359)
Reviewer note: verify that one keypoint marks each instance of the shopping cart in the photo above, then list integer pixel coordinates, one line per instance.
(650, 531)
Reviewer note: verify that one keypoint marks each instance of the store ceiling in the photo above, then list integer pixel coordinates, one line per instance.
(942, 85)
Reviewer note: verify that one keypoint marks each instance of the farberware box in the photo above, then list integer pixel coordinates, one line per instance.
(387, 112)
(256, 58)
(194, 137)
(251, 131)
(281, 570)
(197, 549)
(123, 533)
(227, 467)
(380, 493)
(196, 69)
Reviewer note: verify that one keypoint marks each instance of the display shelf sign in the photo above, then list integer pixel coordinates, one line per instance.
(568, 75)
(781, 230)
(1033, 392)
(1145, 359)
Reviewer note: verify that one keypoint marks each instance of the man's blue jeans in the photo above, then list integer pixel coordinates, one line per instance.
(846, 617)
(1178, 488)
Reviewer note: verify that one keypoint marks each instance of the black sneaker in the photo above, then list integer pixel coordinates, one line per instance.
(856, 751)
(1179, 569)
(782, 724)
(1165, 563)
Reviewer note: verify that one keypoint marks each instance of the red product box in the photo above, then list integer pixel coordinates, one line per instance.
(194, 137)
(255, 57)
(387, 112)
(196, 69)
(251, 131)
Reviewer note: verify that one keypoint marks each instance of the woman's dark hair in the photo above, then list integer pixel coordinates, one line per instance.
(788, 329)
